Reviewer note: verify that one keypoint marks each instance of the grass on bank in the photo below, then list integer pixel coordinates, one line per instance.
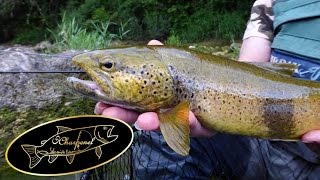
(70, 35)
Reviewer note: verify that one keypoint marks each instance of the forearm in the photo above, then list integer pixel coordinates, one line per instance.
(255, 49)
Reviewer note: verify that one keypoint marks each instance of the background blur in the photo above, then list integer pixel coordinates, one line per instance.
(85, 21)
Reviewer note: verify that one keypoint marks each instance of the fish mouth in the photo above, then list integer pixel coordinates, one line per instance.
(92, 90)
(86, 87)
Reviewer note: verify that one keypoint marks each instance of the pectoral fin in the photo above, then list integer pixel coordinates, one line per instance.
(282, 68)
(70, 158)
(98, 152)
(174, 125)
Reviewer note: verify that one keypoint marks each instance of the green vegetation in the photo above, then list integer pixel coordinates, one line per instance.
(69, 35)
(91, 24)
(173, 40)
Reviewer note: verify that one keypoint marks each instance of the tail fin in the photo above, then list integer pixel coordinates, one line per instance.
(32, 153)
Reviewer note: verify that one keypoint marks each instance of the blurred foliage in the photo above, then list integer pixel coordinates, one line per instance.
(70, 35)
(27, 21)
(173, 40)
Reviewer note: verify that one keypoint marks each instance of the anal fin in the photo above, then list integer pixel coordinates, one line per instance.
(174, 125)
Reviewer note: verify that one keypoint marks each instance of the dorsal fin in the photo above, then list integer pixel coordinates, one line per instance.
(63, 129)
(282, 68)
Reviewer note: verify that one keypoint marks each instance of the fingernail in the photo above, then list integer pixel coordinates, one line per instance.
(137, 126)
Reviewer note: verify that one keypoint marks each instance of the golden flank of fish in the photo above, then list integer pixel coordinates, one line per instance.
(260, 100)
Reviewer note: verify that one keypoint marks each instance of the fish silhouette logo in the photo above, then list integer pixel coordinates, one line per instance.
(71, 145)
(78, 141)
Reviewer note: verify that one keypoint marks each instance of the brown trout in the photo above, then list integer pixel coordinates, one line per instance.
(259, 100)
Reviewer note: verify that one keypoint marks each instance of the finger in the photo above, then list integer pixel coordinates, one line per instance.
(312, 136)
(98, 109)
(196, 129)
(154, 43)
(148, 121)
(122, 114)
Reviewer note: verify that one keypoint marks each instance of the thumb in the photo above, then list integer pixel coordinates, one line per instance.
(196, 129)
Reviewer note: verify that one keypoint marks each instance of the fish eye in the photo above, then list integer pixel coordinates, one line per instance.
(108, 65)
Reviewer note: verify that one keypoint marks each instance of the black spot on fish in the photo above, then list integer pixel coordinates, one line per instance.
(142, 87)
(142, 72)
(153, 83)
(112, 77)
(140, 92)
(154, 92)
(145, 82)
(185, 96)
(192, 95)
(151, 65)
(147, 73)
(127, 80)
(165, 94)
(133, 72)
(189, 81)
(144, 66)
(167, 79)
(160, 74)
(159, 81)
(151, 75)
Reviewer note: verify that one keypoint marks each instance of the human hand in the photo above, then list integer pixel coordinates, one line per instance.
(148, 121)
(312, 137)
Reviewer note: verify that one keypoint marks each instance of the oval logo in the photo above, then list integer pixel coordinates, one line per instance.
(69, 145)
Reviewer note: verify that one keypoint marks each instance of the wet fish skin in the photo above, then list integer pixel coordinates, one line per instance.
(225, 95)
